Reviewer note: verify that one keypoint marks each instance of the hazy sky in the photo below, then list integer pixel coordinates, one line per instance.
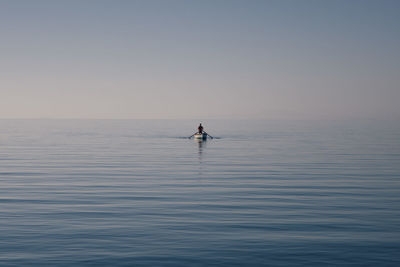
(200, 59)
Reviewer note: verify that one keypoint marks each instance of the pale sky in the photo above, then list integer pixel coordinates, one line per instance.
(200, 59)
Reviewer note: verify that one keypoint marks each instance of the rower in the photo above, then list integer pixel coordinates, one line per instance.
(200, 128)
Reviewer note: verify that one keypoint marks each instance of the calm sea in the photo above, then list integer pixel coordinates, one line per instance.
(138, 193)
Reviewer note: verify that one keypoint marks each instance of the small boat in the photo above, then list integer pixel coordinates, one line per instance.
(200, 136)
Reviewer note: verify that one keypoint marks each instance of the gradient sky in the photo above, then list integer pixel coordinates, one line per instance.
(200, 59)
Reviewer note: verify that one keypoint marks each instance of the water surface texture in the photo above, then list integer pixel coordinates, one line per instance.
(137, 193)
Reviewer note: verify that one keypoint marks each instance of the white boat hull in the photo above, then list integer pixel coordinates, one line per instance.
(200, 136)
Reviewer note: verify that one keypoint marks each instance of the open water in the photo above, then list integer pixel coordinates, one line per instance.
(137, 193)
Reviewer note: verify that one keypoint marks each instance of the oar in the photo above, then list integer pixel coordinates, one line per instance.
(209, 135)
(191, 136)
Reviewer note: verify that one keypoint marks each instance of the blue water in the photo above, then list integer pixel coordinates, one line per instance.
(136, 193)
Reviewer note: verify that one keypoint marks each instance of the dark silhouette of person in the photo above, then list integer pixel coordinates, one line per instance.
(200, 128)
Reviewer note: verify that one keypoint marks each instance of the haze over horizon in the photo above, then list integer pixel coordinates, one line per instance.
(200, 59)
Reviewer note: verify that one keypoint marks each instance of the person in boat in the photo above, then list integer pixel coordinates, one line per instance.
(200, 128)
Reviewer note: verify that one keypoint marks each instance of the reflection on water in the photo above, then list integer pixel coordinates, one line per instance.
(201, 146)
